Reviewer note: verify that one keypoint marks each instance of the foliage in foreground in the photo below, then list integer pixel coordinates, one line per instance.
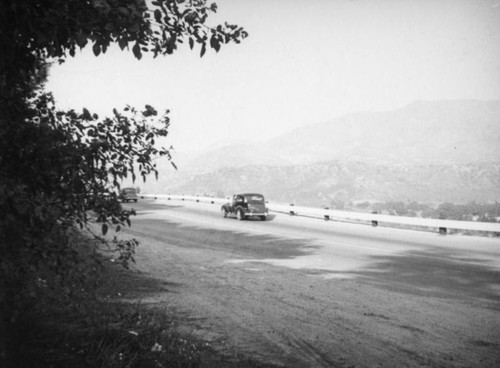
(57, 168)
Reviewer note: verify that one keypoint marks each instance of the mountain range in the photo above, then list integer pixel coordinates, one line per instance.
(429, 151)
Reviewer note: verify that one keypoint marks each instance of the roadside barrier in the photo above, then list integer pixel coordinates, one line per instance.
(374, 219)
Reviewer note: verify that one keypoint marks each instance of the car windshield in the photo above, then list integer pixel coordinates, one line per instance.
(128, 190)
(255, 198)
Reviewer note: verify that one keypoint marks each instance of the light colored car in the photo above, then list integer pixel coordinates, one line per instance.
(246, 205)
(128, 195)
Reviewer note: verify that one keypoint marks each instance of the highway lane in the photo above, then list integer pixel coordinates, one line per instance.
(304, 292)
(339, 246)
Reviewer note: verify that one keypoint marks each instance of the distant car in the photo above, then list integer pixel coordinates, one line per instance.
(128, 195)
(246, 205)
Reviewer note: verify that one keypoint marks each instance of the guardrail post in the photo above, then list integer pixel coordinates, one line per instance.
(443, 231)
(326, 217)
(292, 212)
(374, 222)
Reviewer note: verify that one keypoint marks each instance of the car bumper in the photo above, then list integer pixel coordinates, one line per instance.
(251, 213)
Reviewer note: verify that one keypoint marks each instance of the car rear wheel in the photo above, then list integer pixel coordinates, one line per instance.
(263, 218)
(240, 215)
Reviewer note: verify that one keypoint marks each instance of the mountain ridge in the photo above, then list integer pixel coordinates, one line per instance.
(426, 151)
(330, 182)
(421, 132)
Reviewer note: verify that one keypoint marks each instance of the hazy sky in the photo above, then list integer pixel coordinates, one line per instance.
(304, 62)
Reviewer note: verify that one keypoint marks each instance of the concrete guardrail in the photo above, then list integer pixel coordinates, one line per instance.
(336, 215)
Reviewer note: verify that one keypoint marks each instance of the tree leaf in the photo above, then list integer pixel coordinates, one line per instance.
(203, 49)
(122, 42)
(104, 229)
(96, 49)
(81, 39)
(86, 114)
(137, 51)
(158, 15)
(214, 43)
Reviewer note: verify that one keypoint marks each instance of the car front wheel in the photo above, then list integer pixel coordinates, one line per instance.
(224, 212)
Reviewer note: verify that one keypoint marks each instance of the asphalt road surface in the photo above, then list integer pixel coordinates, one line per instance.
(299, 292)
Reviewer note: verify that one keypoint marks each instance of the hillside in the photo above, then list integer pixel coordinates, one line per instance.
(422, 132)
(427, 151)
(334, 182)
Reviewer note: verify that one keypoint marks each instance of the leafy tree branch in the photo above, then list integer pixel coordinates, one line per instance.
(58, 168)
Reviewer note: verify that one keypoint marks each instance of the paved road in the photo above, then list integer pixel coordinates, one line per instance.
(303, 292)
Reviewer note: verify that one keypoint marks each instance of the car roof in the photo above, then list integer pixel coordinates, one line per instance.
(250, 194)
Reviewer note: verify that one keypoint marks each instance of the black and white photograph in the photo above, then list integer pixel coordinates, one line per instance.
(249, 183)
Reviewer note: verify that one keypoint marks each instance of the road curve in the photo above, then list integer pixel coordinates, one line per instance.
(301, 292)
